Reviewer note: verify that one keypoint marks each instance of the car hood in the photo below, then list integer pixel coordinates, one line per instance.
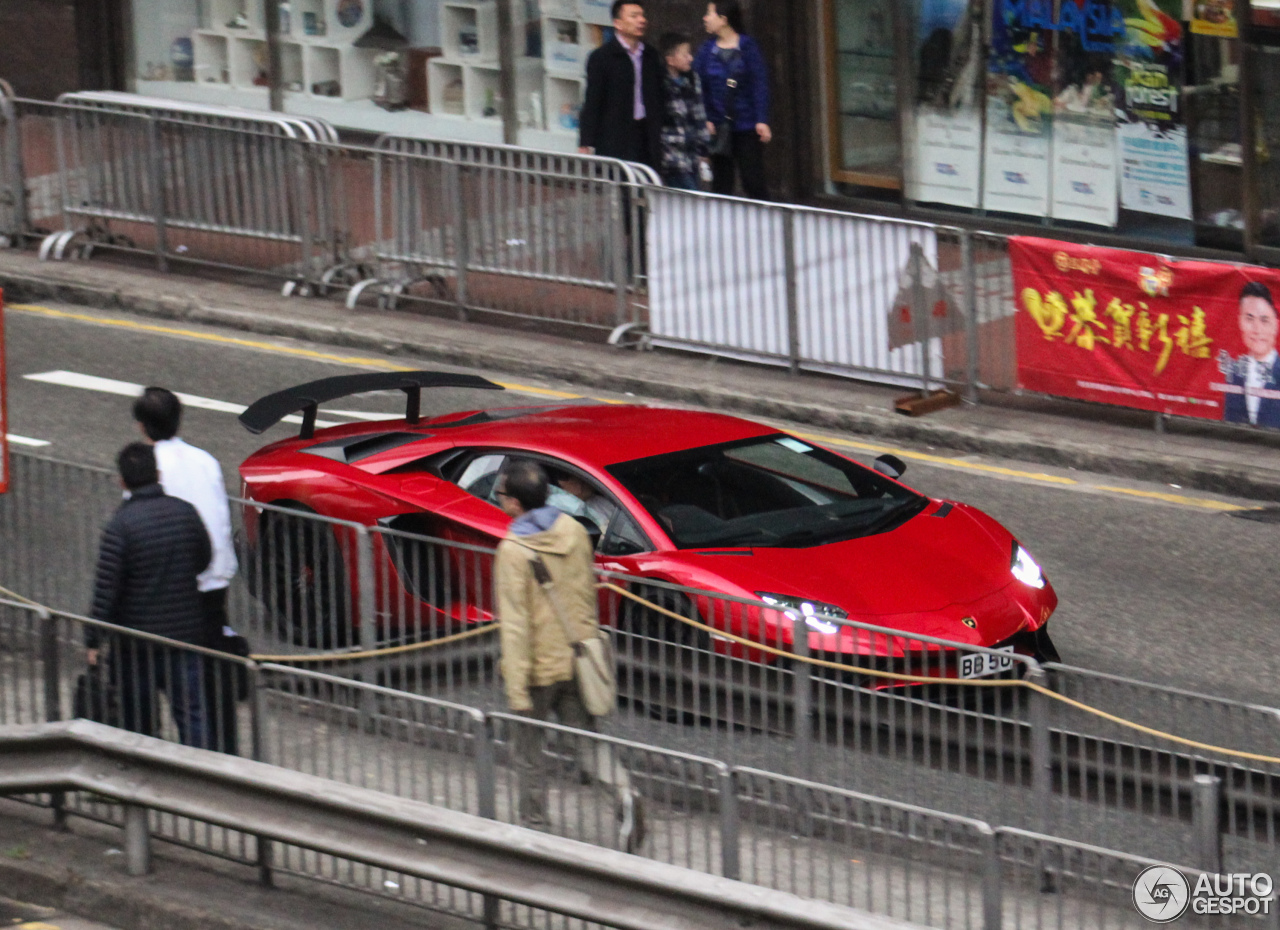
(926, 575)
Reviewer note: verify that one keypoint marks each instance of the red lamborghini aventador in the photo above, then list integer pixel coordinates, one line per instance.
(702, 500)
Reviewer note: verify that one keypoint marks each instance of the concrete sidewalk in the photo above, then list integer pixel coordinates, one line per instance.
(1194, 454)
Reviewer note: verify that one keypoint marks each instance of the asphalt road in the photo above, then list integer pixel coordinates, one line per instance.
(20, 916)
(1155, 582)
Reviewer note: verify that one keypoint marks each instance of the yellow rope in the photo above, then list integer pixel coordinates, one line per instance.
(373, 653)
(768, 650)
(920, 679)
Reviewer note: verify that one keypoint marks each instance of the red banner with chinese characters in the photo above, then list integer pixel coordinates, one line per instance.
(1190, 338)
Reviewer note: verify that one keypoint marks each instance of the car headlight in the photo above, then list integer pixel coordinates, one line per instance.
(1025, 568)
(817, 615)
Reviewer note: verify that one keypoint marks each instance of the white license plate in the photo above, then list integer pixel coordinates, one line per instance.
(982, 664)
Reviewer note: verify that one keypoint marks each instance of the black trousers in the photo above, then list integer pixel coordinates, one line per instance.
(220, 678)
(746, 161)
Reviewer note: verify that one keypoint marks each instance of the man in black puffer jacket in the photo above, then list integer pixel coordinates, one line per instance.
(151, 552)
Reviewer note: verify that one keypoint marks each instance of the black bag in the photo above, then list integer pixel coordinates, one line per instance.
(722, 142)
(95, 697)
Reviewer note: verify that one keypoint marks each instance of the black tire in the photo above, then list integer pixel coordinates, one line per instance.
(642, 621)
(302, 581)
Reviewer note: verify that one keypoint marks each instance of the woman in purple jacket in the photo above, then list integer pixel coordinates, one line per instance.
(734, 78)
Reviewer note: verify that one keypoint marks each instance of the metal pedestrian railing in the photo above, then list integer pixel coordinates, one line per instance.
(1092, 758)
(788, 834)
(466, 220)
(464, 227)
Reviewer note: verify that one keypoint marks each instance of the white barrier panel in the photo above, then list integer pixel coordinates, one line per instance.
(718, 280)
(717, 274)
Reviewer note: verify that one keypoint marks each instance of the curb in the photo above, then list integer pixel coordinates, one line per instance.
(1099, 458)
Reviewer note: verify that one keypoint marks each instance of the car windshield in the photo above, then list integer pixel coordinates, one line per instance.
(774, 491)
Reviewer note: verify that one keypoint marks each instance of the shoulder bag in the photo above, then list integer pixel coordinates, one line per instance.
(722, 144)
(593, 662)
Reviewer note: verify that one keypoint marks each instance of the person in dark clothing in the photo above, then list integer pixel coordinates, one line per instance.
(734, 78)
(151, 554)
(622, 109)
(684, 126)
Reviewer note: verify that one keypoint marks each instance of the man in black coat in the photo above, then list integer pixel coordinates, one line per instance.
(151, 553)
(622, 111)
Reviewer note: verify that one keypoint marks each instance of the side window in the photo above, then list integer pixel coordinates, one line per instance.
(481, 475)
(623, 537)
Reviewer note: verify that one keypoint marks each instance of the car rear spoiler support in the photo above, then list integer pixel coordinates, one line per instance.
(267, 411)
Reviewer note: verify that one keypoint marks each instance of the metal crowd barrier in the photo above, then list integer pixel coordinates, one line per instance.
(464, 226)
(175, 188)
(310, 128)
(12, 188)
(467, 219)
(787, 834)
(995, 750)
(894, 301)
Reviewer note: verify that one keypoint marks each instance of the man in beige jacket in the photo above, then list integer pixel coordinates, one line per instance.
(537, 657)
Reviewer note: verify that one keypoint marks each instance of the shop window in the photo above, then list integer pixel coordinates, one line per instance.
(425, 68)
(1264, 79)
(1212, 95)
(865, 130)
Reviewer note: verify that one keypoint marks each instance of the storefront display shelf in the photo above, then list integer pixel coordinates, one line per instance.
(238, 17)
(563, 97)
(469, 31)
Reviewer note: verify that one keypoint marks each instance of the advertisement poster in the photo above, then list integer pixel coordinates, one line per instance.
(1151, 130)
(1084, 141)
(1214, 18)
(1019, 108)
(947, 141)
(1190, 338)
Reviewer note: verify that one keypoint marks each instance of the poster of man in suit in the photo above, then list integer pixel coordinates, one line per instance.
(1255, 374)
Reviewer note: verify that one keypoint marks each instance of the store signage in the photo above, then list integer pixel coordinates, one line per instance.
(1189, 338)
(1095, 24)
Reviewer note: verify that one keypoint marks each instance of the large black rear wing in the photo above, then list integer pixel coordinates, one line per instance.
(266, 412)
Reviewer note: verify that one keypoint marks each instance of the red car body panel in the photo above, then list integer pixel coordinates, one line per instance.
(943, 573)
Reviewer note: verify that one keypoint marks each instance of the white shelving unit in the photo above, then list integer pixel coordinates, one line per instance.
(469, 30)
(318, 57)
(569, 31)
(563, 101)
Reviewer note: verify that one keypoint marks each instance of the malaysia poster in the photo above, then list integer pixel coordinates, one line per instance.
(946, 143)
(1084, 139)
(1019, 110)
(1189, 338)
(1151, 126)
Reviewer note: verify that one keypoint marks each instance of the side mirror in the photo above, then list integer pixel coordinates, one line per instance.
(890, 465)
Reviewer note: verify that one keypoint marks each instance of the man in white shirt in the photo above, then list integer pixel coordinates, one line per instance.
(195, 476)
(1255, 374)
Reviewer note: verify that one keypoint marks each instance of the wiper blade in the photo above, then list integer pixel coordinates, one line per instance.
(736, 538)
(895, 517)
